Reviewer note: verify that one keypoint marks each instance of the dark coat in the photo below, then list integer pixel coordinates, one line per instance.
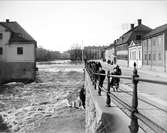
(102, 77)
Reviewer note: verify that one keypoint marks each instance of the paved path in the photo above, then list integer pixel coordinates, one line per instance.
(152, 97)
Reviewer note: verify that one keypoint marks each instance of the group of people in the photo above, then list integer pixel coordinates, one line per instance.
(99, 76)
(115, 80)
(114, 83)
(96, 67)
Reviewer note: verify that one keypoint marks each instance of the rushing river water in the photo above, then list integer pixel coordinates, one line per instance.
(24, 108)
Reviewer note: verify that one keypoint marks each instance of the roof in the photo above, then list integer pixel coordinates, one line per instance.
(156, 31)
(110, 46)
(18, 33)
(94, 47)
(124, 38)
(127, 36)
(134, 43)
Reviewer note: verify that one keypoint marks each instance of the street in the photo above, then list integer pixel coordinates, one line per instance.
(153, 90)
(152, 101)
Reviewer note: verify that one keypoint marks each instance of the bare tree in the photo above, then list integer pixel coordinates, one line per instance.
(76, 53)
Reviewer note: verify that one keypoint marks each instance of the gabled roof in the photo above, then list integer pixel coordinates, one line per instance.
(124, 38)
(134, 43)
(156, 31)
(18, 33)
(127, 36)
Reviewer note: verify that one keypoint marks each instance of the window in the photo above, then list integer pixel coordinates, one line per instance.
(1, 35)
(154, 42)
(154, 56)
(145, 56)
(149, 57)
(159, 56)
(138, 37)
(1, 50)
(160, 40)
(20, 50)
(122, 57)
(133, 55)
(139, 55)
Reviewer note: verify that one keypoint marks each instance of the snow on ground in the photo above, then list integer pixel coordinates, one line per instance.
(25, 107)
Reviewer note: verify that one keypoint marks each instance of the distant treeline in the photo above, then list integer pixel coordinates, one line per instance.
(76, 54)
(48, 55)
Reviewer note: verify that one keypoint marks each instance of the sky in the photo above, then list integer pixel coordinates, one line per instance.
(60, 25)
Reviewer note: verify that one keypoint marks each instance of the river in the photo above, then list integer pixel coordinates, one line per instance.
(44, 106)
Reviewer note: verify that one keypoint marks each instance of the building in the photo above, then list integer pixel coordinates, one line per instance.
(17, 53)
(93, 52)
(122, 44)
(135, 54)
(110, 53)
(155, 49)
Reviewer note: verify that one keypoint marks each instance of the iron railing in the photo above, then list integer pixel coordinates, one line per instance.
(133, 109)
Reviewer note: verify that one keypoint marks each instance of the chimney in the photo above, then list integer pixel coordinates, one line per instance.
(132, 26)
(139, 21)
(7, 20)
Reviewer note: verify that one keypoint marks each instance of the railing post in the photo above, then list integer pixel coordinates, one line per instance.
(108, 99)
(134, 127)
(91, 73)
(95, 81)
(108, 81)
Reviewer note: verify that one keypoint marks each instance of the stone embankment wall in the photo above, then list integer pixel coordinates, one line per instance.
(102, 119)
(17, 71)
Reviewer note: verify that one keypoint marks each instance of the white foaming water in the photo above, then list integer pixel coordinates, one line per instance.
(44, 99)
(60, 68)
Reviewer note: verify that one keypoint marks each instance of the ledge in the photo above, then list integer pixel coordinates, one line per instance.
(108, 119)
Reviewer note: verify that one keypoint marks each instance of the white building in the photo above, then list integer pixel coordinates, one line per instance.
(135, 54)
(110, 53)
(17, 53)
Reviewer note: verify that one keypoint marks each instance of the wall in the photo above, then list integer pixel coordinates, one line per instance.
(122, 62)
(17, 71)
(165, 43)
(6, 36)
(135, 58)
(102, 119)
(122, 52)
(2, 72)
(4, 41)
(153, 51)
(28, 53)
(109, 54)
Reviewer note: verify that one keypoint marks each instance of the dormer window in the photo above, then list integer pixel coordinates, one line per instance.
(1, 35)
(138, 37)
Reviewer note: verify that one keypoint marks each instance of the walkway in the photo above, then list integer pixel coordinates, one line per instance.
(147, 105)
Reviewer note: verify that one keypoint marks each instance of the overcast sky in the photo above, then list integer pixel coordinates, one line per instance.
(57, 25)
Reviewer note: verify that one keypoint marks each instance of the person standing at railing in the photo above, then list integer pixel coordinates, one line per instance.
(115, 81)
(82, 95)
(101, 79)
(118, 72)
(96, 71)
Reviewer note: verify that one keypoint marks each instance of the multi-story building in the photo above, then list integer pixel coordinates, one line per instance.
(17, 53)
(154, 48)
(93, 52)
(110, 53)
(122, 44)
